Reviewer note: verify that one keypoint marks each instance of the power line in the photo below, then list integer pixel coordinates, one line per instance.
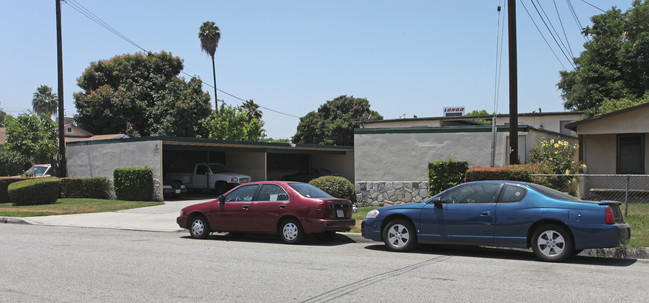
(576, 18)
(87, 13)
(601, 10)
(542, 36)
(551, 34)
(563, 28)
(562, 46)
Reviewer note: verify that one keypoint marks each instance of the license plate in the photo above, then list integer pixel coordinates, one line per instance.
(340, 213)
(178, 191)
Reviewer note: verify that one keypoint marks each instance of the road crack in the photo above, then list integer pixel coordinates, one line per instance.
(347, 289)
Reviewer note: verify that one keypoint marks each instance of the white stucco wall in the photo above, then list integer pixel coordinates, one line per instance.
(100, 160)
(599, 153)
(405, 156)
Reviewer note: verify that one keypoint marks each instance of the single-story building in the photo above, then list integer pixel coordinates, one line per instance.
(615, 143)
(262, 161)
(392, 157)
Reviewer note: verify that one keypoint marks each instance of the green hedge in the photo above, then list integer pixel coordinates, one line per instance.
(4, 184)
(443, 175)
(34, 191)
(96, 188)
(338, 187)
(511, 172)
(133, 184)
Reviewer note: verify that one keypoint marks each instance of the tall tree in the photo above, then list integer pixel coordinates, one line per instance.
(252, 110)
(334, 122)
(45, 101)
(231, 123)
(141, 95)
(615, 62)
(210, 34)
(34, 137)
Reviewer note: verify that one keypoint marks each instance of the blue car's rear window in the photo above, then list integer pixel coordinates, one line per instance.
(554, 194)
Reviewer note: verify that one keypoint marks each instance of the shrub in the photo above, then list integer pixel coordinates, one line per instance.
(12, 164)
(4, 184)
(133, 184)
(443, 175)
(96, 187)
(556, 157)
(511, 172)
(338, 187)
(34, 191)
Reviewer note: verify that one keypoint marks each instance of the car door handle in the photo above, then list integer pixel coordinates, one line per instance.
(282, 206)
(485, 213)
(245, 207)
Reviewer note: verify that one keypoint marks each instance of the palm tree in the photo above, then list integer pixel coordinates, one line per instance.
(210, 34)
(45, 102)
(252, 110)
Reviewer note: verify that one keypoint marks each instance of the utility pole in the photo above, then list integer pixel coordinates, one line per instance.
(63, 171)
(513, 84)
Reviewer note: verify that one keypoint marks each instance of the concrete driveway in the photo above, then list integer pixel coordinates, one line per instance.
(153, 218)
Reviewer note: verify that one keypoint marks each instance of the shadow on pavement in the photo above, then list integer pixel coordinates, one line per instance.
(310, 240)
(504, 253)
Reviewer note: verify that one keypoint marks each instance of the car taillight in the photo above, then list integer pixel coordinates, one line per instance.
(325, 210)
(610, 217)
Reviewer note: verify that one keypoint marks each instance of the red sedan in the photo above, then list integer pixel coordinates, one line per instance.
(292, 209)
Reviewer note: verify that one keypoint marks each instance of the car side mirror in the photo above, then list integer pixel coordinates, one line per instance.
(221, 199)
(437, 201)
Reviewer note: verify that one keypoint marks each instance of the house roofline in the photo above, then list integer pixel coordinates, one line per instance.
(573, 126)
(484, 117)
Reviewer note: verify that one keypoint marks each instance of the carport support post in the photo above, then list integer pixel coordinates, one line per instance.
(207, 172)
(626, 196)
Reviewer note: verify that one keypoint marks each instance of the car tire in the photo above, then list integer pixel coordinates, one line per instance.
(199, 228)
(399, 235)
(221, 187)
(326, 236)
(291, 231)
(552, 243)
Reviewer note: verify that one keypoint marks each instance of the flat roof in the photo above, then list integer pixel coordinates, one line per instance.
(178, 143)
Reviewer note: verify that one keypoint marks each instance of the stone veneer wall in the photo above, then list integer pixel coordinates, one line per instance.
(383, 193)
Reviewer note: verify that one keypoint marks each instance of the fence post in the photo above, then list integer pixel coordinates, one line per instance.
(626, 196)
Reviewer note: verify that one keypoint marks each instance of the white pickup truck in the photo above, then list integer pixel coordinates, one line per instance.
(214, 174)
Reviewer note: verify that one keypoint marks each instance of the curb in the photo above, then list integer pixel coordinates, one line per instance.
(13, 220)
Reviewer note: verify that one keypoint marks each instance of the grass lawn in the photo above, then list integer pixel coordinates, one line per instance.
(638, 218)
(71, 206)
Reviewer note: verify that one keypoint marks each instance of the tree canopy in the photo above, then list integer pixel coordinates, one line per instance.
(45, 101)
(141, 95)
(231, 123)
(334, 122)
(33, 137)
(614, 64)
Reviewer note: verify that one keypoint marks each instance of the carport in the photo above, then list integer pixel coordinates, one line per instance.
(261, 160)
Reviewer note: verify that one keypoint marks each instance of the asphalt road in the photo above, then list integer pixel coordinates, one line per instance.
(72, 264)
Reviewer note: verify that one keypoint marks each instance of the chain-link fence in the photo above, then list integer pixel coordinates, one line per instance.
(622, 188)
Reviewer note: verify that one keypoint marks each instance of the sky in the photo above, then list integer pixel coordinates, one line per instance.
(408, 58)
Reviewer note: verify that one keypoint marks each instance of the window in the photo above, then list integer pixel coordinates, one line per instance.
(472, 193)
(201, 170)
(513, 193)
(272, 193)
(242, 194)
(630, 154)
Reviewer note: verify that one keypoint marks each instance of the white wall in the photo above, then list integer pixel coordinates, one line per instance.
(100, 160)
(249, 163)
(342, 165)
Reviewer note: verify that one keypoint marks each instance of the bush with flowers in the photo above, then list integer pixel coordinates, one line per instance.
(556, 157)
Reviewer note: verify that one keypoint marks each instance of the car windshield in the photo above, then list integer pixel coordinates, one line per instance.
(309, 191)
(554, 194)
(37, 170)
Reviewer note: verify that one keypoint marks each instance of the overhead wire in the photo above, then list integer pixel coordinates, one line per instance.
(542, 36)
(87, 13)
(556, 8)
(601, 10)
(576, 18)
(554, 30)
(550, 31)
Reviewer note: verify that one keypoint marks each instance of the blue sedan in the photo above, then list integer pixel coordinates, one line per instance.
(502, 214)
